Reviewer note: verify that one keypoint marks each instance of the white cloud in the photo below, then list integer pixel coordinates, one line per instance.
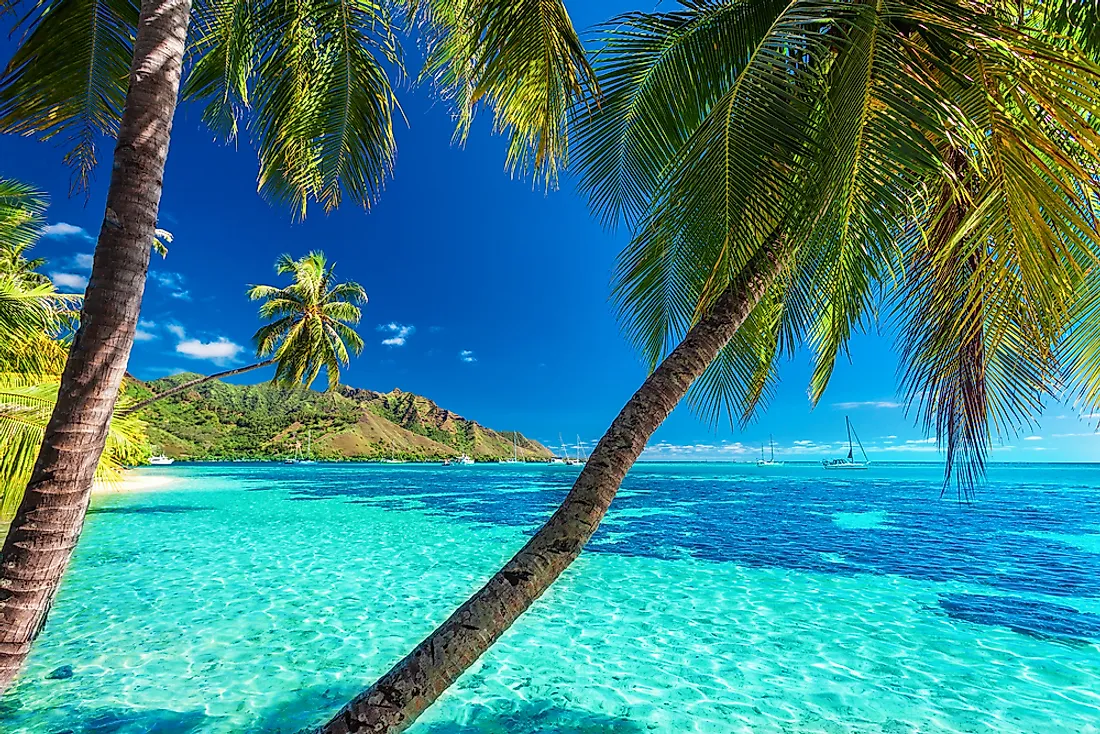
(467, 356)
(916, 441)
(71, 281)
(64, 229)
(142, 335)
(398, 333)
(1090, 416)
(868, 404)
(1073, 435)
(219, 351)
(176, 330)
(1034, 438)
(889, 438)
(83, 260)
(147, 324)
(172, 282)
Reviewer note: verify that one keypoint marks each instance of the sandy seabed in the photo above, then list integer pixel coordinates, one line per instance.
(133, 482)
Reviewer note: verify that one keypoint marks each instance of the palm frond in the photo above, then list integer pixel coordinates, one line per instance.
(68, 77)
(324, 103)
(524, 60)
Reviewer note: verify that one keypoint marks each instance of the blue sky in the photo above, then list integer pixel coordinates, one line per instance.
(486, 295)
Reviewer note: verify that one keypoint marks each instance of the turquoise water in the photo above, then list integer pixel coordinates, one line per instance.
(716, 598)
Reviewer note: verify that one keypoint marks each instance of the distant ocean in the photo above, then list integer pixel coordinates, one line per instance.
(715, 598)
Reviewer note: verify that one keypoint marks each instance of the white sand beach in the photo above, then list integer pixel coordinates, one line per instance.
(134, 482)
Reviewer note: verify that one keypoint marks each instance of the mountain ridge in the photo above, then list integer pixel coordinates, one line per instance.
(220, 420)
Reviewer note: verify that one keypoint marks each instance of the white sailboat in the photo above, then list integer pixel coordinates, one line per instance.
(160, 460)
(849, 461)
(770, 461)
(309, 449)
(297, 454)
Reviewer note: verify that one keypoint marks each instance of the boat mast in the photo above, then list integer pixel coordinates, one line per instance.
(848, 423)
(861, 449)
(771, 443)
(515, 455)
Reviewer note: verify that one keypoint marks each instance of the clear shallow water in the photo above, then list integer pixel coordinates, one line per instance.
(715, 598)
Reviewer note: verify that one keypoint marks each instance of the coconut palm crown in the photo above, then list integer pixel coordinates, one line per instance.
(313, 318)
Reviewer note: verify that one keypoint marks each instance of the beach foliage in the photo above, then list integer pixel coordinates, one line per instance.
(36, 324)
(931, 166)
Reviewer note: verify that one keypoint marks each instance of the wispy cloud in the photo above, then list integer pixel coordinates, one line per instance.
(888, 404)
(64, 229)
(83, 260)
(220, 351)
(142, 335)
(1090, 416)
(171, 282)
(467, 356)
(1034, 438)
(69, 281)
(176, 330)
(398, 333)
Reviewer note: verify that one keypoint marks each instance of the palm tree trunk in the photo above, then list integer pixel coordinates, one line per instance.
(49, 519)
(395, 701)
(193, 383)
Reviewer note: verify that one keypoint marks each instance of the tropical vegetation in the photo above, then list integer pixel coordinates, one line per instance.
(35, 324)
(310, 329)
(312, 85)
(792, 172)
(216, 420)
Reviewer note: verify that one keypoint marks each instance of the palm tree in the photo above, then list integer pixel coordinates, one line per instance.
(778, 163)
(311, 330)
(311, 82)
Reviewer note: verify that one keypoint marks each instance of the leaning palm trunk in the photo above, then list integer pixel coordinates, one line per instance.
(395, 701)
(193, 383)
(49, 519)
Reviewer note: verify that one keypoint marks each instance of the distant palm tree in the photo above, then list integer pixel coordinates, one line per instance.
(311, 82)
(779, 164)
(311, 331)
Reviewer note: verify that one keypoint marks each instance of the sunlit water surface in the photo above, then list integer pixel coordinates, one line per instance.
(715, 598)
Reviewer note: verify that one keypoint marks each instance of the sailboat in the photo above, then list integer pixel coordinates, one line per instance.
(849, 461)
(297, 455)
(515, 452)
(309, 449)
(581, 458)
(770, 461)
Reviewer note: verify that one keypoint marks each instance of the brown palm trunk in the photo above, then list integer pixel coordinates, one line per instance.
(49, 519)
(395, 701)
(193, 383)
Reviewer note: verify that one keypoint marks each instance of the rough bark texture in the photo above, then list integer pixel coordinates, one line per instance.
(193, 383)
(49, 519)
(399, 697)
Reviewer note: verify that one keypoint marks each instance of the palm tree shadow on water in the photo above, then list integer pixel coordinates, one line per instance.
(535, 718)
(529, 717)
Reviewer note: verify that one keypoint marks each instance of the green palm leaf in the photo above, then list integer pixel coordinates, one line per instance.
(69, 76)
(521, 58)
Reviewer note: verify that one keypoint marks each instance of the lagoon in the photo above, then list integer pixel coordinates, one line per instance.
(715, 598)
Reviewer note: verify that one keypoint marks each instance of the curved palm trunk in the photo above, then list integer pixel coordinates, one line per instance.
(395, 701)
(193, 383)
(49, 519)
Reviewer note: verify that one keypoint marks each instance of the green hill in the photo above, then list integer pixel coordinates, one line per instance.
(218, 420)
